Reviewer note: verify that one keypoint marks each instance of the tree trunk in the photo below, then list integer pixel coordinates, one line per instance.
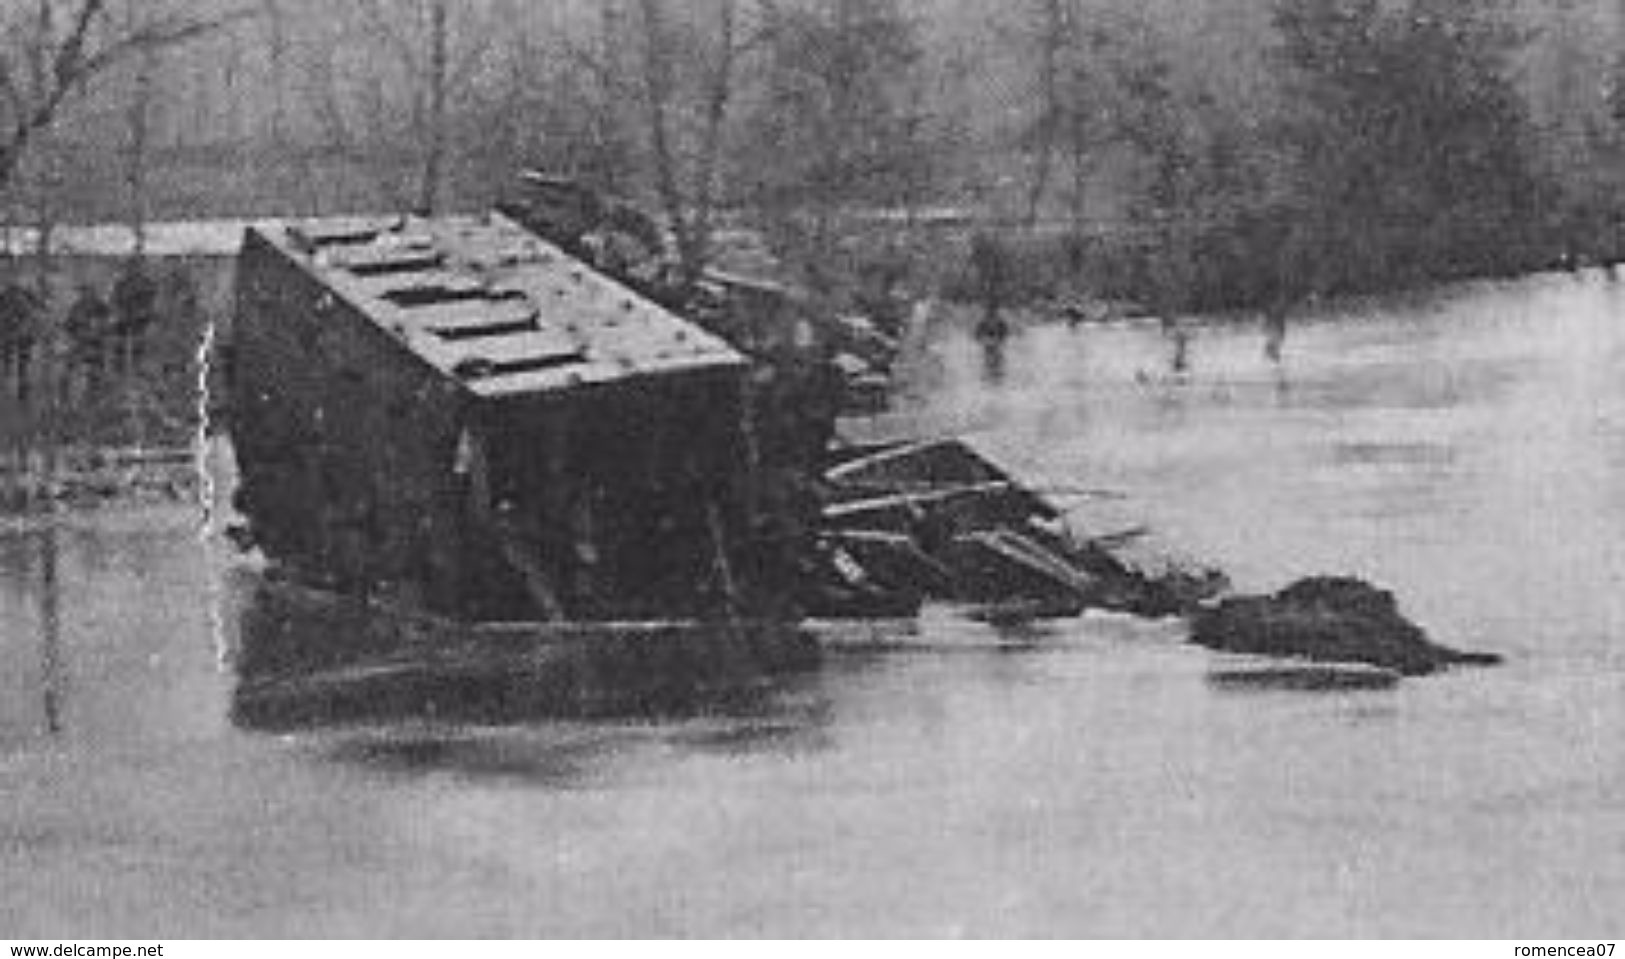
(1080, 175)
(716, 116)
(1051, 36)
(607, 130)
(435, 148)
(657, 81)
(690, 215)
(135, 170)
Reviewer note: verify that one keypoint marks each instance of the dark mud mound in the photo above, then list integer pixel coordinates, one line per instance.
(1328, 619)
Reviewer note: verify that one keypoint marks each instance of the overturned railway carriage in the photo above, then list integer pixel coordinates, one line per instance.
(457, 416)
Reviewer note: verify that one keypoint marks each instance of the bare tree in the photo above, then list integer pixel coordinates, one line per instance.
(54, 49)
(434, 150)
(419, 37)
(1053, 28)
(688, 190)
(611, 138)
(275, 18)
(1073, 115)
(599, 75)
(139, 117)
(841, 120)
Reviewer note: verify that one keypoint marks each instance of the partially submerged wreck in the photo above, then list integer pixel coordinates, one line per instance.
(461, 418)
(470, 457)
(450, 427)
(455, 421)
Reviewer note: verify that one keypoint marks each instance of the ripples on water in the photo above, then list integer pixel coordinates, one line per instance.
(1096, 777)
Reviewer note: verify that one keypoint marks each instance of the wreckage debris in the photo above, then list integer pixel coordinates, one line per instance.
(740, 297)
(1328, 619)
(461, 416)
(939, 520)
(1150, 578)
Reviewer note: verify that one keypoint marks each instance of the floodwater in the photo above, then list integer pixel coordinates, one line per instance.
(1099, 778)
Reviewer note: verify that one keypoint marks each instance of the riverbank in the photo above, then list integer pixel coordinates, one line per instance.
(1222, 276)
(1351, 308)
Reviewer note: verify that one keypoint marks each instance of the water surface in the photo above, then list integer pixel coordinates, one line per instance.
(1100, 779)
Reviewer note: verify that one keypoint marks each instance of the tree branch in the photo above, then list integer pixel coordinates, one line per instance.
(716, 115)
(73, 63)
(657, 93)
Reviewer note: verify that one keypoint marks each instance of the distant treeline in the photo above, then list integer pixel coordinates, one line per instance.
(1387, 144)
(1394, 149)
(1189, 154)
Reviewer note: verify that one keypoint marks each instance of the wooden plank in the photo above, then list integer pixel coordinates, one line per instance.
(907, 500)
(1036, 557)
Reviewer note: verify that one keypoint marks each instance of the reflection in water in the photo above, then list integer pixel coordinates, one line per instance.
(30, 580)
(1301, 679)
(787, 724)
(550, 761)
(51, 672)
(1274, 333)
(791, 720)
(1397, 453)
(993, 359)
(408, 696)
(308, 659)
(1179, 361)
